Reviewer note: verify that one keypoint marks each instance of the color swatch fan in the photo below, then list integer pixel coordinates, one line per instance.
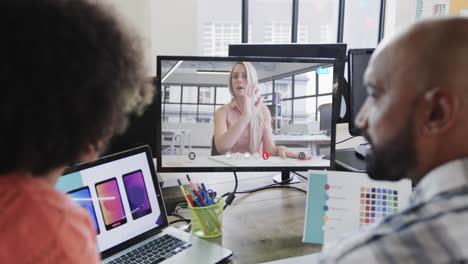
(342, 202)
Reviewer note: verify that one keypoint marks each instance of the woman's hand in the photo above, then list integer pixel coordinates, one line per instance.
(248, 103)
(284, 152)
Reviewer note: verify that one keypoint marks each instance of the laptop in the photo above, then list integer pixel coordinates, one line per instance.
(122, 195)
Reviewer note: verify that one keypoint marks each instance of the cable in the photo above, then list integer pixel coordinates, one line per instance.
(180, 220)
(300, 175)
(231, 195)
(176, 215)
(269, 186)
(180, 206)
(344, 140)
(273, 187)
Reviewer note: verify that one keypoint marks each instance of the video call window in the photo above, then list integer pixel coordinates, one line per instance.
(292, 92)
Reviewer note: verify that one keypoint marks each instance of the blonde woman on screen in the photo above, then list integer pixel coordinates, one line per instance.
(244, 124)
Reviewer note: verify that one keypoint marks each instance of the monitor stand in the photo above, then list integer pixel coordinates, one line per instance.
(286, 177)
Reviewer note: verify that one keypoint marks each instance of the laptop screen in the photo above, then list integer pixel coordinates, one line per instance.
(119, 194)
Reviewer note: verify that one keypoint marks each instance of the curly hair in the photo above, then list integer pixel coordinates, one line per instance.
(70, 73)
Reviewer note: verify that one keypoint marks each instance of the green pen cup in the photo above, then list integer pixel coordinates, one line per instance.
(207, 221)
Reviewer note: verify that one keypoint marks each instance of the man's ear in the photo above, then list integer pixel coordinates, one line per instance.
(90, 155)
(441, 107)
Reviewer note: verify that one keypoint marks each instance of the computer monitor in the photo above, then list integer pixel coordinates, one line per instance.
(192, 89)
(335, 50)
(357, 64)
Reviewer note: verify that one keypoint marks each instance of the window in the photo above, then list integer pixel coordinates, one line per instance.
(189, 94)
(172, 94)
(284, 87)
(205, 114)
(206, 95)
(277, 32)
(189, 113)
(171, 112)
(326, 81)
(218, 36)
(266, 91)
(219, 24)
(222, 95)
(303, 109)
(191, 110)
(304, 84)
(270, 21)
(286, 111)
(361, 16)
(318, 21)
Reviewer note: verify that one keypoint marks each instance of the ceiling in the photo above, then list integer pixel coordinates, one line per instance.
(186, 72)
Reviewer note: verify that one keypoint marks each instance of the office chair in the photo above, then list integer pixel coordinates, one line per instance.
(214, 152)
(325, 111)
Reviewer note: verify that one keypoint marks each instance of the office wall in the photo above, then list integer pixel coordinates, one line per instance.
(398, 14)
(174, 28)
(137, 15)
(457, 5)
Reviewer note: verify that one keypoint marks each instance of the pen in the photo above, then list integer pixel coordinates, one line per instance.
(200, 198)
(189, 200)
(203, 186)
(191, 184)
(194, 197)
(186, 195)
(181, 187)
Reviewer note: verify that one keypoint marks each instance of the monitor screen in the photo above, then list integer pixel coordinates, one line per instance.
(358, 60)
(206, 124)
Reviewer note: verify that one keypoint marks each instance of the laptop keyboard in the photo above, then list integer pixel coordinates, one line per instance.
(155, 251)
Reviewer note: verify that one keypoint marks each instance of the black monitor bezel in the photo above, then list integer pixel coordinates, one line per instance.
(234, 59)
(353, 130)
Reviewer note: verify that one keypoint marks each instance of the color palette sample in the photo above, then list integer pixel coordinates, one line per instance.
(376, 203)
(342, 202)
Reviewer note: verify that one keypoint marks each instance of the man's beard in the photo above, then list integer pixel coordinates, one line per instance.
(394, 159)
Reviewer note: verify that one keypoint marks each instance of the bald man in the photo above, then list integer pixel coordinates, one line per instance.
(416, 117)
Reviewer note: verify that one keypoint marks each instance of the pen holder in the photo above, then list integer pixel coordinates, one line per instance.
(207, 221)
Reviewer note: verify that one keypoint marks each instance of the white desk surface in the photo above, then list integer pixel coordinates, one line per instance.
(309, 138)
(221, 161)
(175, 130)
(316, 161)
(307, 259)
(183, 161)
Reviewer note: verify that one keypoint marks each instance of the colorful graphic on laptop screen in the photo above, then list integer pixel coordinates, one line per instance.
(111, 203)
(83, 197)
(136, 194)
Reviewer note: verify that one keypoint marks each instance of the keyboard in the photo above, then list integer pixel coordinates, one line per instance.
(155, 251)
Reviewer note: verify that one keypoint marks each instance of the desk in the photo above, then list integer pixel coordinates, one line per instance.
(311, 140)
(184, 161)
(177, 135)
(222, 161)
(258, 227)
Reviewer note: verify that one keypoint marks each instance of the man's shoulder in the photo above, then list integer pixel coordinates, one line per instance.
(433, 232)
